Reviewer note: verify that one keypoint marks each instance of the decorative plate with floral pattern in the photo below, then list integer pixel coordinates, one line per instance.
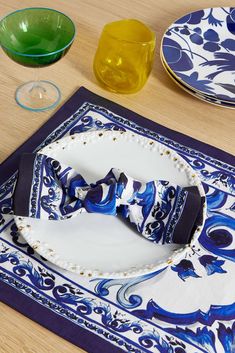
(199, 49)
(196, 94)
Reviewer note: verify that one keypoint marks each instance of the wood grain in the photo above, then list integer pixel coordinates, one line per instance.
(160, 100)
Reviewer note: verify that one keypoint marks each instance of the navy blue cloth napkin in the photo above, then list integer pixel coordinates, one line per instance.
(161, 211)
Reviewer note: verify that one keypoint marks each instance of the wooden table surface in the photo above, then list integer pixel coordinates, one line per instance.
(160, 100)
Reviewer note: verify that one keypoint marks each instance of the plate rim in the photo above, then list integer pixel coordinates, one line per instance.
(174, 74)
(47, 252)
(197, 94)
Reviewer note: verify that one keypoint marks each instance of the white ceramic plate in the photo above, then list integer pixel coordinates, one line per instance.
(105, 246)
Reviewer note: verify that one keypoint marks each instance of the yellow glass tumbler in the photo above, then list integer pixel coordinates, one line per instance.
(124, 58)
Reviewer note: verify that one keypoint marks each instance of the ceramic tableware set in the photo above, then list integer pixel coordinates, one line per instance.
(197, 51)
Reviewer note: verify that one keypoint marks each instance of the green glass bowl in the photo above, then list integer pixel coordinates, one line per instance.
(36, 37)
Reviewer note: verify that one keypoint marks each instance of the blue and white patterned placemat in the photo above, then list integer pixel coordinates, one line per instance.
(185, 308)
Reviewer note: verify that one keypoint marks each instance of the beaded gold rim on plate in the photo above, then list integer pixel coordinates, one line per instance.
(84, 139)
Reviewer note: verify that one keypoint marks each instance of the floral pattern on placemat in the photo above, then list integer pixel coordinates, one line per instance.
(185, 307)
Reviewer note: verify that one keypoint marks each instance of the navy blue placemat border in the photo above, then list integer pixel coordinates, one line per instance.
(82, 95)
(64, 328)
(55, 323)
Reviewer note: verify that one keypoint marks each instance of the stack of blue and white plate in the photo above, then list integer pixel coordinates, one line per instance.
(198, 53)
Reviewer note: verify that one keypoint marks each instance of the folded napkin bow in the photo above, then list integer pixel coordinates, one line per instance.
(162, 212)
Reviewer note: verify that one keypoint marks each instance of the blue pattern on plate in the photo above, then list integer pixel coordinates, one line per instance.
(201, 85)
(200, 50)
